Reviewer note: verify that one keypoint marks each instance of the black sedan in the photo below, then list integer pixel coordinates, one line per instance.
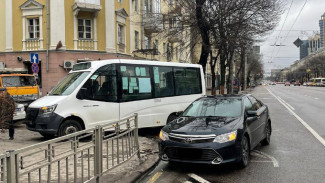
(215, 130)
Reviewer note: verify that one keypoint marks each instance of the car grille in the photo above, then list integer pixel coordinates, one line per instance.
(31, 115)
(191, 139)
(191, 154)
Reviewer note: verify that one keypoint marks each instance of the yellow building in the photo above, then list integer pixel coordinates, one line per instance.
(65, 32)
(75, 30)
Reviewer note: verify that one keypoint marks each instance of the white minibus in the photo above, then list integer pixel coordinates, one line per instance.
(98, 92)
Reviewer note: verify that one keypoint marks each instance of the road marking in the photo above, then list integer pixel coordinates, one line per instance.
(286, 103)
(155, 177)
(266, 98)
(273, 160)
(197, 178)
(312, 131)
(316, 98)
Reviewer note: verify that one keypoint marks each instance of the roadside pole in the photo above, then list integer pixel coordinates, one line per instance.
(245, 73)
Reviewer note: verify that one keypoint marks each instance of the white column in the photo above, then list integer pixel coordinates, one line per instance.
(131, 33)
(110, 25)
(57, 17)
(41, 39)
(95, 31)
(24, 32)
(75, 30)
(9, 36)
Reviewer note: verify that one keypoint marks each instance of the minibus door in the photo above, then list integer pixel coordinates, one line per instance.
(99, 97)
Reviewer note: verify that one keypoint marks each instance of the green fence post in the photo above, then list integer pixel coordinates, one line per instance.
(11, 170)
(98, 153)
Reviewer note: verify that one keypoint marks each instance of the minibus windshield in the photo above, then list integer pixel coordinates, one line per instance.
(69, 83)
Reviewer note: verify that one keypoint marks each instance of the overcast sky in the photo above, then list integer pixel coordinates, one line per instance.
(306, 25)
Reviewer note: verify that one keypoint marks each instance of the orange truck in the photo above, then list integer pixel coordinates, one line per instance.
(22, 87)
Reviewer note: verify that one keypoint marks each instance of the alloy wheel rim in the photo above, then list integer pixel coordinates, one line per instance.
(268, 133)
(70, 129)
(245, 150)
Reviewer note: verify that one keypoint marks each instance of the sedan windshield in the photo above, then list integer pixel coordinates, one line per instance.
(226, 107)
(69, 83)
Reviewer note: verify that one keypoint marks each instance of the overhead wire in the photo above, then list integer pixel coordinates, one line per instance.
(281, 29)
(292, 26)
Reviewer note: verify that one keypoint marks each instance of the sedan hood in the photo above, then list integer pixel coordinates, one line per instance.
(201, 125)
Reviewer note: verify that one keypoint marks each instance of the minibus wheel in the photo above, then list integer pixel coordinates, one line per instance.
(69, 126)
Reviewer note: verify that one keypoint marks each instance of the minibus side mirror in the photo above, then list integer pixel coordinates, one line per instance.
(82, 94)
(179, 113)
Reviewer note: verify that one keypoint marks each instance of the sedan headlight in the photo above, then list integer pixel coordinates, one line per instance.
(47, 109)
(163, 135)
(227, 137)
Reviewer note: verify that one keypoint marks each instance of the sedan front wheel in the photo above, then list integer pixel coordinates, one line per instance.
(245, 151)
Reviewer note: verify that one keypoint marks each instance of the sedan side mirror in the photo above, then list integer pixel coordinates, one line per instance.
(251, 113)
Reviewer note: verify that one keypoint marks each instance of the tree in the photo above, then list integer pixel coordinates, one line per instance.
(227, 25)
(239, 22)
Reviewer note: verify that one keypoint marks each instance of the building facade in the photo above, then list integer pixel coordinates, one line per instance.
(321, 28)
(314, 44)
(82, 30)
(304, 49)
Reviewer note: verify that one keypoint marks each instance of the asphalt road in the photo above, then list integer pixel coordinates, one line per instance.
(297, 149)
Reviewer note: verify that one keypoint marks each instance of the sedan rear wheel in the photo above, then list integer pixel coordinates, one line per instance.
(245, 151)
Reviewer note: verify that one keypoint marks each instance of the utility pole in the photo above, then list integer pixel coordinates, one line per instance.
(245, 73)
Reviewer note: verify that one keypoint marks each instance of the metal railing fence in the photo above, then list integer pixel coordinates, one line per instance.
(83, 156)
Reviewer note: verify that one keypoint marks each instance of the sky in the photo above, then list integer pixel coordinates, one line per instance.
(306, 25)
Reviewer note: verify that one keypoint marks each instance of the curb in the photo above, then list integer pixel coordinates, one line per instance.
(143, 174)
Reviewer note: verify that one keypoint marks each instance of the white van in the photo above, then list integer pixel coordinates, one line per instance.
(98, 92)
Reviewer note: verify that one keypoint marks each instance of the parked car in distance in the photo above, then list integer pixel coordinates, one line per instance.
(287, 84)
(216, 130)
(19, 113)
(297, 83)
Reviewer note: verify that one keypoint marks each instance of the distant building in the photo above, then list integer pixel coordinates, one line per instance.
(275, 72)
(304, 49)
(321, 26)
(314, 44)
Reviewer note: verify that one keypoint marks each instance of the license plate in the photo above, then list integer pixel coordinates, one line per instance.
(18, 109)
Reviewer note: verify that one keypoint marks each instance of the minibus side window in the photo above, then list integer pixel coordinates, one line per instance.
(101, 85)
(187, 81)
(136, 82)
(163, 81)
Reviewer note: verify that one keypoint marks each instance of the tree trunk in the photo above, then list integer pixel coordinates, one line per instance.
(223, 73)
(204, 31)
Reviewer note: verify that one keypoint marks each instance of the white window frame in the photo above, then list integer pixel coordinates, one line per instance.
(84, 31)
(34, 26)
(147, 42)
(120, 34)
